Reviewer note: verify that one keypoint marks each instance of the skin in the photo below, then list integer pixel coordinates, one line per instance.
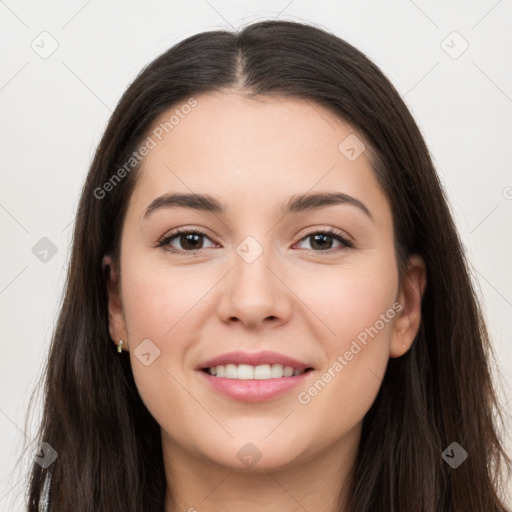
(295, 298)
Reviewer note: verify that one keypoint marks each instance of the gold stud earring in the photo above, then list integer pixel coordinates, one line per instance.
(120, 345)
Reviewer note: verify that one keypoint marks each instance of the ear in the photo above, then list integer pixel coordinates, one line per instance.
(117, 327)
(408, 321)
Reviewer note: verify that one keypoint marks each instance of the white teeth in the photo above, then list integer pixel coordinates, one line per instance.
(243, 372)
(249, 372)
(230, 371)
(262, 371)
(276, 371)
(288, 371)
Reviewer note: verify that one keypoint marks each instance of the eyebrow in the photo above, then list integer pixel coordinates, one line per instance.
(295, 204)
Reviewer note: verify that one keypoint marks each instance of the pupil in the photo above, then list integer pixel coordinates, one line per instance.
(190, 237)
(319, 236)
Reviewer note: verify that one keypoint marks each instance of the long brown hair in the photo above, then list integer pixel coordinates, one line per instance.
(441, 391)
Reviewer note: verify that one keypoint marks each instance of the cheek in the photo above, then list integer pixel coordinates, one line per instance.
(356, 304)
(349, 299)
(158, 304)
(157, 298)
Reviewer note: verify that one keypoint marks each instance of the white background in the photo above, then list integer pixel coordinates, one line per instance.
(54, 110)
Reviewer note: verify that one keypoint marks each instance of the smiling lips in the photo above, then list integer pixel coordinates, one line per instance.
(253, 377)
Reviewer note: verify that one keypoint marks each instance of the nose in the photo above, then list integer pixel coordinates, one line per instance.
(255, 293)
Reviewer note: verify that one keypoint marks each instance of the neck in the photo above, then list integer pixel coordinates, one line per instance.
(317, 482)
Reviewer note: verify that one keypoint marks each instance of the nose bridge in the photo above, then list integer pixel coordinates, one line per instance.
(251, 274)
(253, 292)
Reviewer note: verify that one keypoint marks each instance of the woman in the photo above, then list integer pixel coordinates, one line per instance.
(267, 306)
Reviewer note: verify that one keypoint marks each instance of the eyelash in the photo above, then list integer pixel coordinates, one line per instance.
(329, 232)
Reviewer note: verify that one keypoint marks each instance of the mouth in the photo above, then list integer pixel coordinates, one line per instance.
(254, 377)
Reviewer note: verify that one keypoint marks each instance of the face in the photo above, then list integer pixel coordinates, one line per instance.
(315, 282)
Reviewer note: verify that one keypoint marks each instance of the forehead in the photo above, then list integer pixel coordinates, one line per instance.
(254, 150)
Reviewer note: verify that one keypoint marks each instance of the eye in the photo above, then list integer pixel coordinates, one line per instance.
(322, 240)
(191, 240)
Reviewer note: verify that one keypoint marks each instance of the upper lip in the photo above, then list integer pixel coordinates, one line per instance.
(253, 359)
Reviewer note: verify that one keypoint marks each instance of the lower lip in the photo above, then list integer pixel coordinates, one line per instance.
(254, 390)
